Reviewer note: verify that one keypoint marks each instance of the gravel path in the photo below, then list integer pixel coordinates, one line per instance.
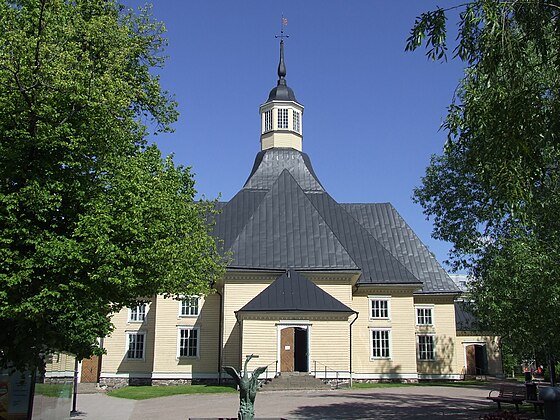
(427, 402)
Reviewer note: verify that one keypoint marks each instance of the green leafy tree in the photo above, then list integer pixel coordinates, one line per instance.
(494, 191)
(92, 218)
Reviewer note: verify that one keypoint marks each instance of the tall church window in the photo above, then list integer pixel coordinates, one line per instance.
(380, 343)
(187, 342)
(296, 121)
(268, 121)
(426, 347)
(283, 118)
(136, 345)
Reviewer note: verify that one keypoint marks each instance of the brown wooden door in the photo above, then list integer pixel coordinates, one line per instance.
(471, 360)
(287, 350)
(90, 369)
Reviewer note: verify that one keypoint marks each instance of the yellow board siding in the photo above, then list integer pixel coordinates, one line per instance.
(116, 344)
(260, 338)
(402, 360)
(237, 292)
(60, 364)
(168, 323)
(329, 346)
(443, 330)
(328, 339)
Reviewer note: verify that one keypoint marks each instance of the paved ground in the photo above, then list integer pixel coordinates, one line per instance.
(384, 403)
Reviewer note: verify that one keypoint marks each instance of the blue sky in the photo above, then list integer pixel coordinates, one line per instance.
(372, 111)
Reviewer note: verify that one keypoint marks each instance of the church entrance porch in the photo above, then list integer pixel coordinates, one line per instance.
(294, 349)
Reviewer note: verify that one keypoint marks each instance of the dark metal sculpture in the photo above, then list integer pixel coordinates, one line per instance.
(247, 388)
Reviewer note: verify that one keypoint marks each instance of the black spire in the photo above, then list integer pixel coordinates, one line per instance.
(281, 65)
(282, 92)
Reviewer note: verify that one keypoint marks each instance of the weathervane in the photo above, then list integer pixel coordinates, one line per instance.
(283, 23)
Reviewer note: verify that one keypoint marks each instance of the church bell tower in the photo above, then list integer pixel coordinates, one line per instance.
(281, 114)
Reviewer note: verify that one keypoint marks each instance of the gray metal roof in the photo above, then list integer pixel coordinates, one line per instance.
(293, 292)
(391, 230)
(464, 319)
(282, 218)
(280, 229)
(270, 163)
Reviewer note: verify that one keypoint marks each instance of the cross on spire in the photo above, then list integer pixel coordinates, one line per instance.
(283, 23)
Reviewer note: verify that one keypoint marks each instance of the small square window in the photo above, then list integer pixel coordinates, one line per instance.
(424, 316)
(379, 308)
(189, 306)
(426, 347)
(136, 344)
(137, 313)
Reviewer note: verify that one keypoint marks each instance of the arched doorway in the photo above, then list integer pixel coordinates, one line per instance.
(294, 349)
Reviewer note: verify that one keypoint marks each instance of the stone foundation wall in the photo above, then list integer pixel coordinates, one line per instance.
(386, 381)
(171, 382)
(58, 380)
(115, 383)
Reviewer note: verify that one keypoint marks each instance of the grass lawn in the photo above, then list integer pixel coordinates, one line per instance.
(54, 390)
(146, 392)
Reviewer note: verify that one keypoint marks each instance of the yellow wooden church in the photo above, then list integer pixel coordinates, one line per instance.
(335, 290)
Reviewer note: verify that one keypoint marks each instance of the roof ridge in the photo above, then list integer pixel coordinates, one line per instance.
(324, 220)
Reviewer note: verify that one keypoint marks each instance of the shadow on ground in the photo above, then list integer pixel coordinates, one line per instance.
(393, 406)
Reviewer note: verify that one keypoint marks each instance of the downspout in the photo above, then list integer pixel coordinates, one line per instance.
(357, 314)
(220, 334)
(240, 340)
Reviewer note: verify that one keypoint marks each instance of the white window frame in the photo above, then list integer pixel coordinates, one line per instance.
(127, 347)
(137, 314)
(190, 329)
(296, 121)
(420, 352)
(267, 121)
(189, 307)
(424, 308)
(380, 299)
(283, 119)
(372, 332)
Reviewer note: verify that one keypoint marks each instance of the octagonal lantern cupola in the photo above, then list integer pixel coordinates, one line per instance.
(281, 114)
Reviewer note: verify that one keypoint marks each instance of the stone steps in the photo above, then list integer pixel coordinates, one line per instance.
(295, 381)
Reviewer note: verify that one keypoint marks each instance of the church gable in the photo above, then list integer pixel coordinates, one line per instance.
(293, 292)
(286, 231)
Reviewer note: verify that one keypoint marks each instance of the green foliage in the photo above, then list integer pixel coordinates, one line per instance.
(147, 392)
(91, 218)
(494, 192)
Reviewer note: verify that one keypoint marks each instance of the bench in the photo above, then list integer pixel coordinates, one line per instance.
(511, 394)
